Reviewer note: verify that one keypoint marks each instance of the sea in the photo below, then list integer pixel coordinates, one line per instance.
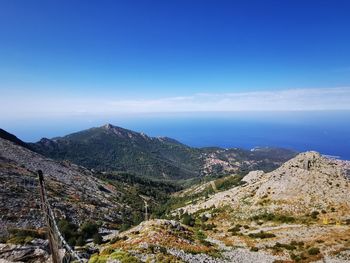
(327, 132)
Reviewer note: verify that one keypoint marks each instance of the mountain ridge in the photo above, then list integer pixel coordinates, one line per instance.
(114, 148)
(301, 184)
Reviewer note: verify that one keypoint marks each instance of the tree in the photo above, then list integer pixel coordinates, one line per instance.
(97, 238)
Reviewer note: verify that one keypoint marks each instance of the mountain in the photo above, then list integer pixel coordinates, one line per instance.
(298, 212)
(111, 148)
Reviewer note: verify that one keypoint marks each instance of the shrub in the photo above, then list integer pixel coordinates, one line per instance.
(23, 236)
(286, 246)
(72, 241)
(162, 250)
(313, 251)
(97, 238)
(296, 258)
(314, 214)
(68, 230)
(273, 217)
(98, 259)
(235, 230)
(286, 219)
(117, 238)
(124, 257)
(204, 218)
(208, 226)
(261, 235)
(187, 219)
(200, 235)
(124, 227)
(89, 229)
(80, 241)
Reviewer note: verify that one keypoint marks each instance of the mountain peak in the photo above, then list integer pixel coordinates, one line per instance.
(108, 126)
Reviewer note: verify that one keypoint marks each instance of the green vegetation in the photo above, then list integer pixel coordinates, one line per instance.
(221, 184)
(235, 230)
(98, 259)
(112, 148)
(228, 182)
(112, 254)
(202, 237)
(132, 187)
(273, 217)
(188, 219)
(78, 236)
(314, 214)
(261, 235)
(124, 257)
(278, 246)
(313, 251)
(23, 236)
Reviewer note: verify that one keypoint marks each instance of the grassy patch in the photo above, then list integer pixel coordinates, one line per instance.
(24, 236)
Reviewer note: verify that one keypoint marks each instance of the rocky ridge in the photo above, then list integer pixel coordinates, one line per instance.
(301, 185)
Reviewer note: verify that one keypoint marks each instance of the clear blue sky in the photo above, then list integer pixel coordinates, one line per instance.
(144, 55)
(171, 47)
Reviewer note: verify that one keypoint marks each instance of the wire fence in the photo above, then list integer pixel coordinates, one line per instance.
(61, 251)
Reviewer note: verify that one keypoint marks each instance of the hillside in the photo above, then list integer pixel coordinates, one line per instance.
(78, 197)
(111, 148)
(299, 212)
(10, 137)
(306, 182)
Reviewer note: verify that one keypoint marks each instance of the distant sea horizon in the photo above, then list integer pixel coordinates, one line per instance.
(327, 132)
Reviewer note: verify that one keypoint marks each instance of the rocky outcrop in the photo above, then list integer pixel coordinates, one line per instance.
(305, 183)
(36, 252)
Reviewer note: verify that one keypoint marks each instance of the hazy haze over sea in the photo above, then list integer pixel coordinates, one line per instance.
(325, 131)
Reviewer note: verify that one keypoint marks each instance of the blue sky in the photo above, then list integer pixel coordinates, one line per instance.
(110, 57)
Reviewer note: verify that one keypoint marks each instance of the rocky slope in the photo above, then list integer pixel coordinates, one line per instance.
(307, 182)
(114, 148)
(75, 193)
(170, 241)
(298, 213)
(73, 190)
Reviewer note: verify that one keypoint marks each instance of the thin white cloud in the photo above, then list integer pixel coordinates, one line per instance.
(282, 100)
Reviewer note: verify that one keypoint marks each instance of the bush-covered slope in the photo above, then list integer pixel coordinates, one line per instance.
(117, 149)
(111, 148)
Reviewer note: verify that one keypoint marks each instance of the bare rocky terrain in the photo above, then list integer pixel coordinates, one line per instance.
(73, 190)
(301, 185)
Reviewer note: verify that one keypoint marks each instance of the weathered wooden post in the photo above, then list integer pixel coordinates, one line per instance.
(50, 232)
